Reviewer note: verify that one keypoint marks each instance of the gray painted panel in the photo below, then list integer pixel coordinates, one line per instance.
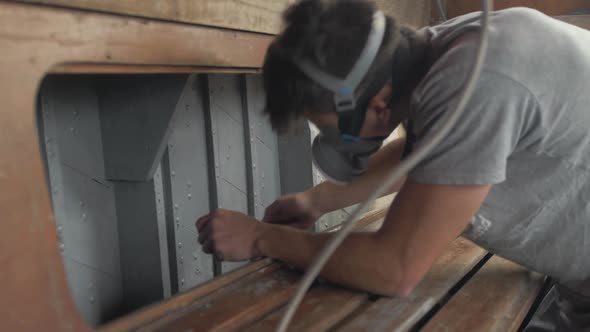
(83, 201)
(73, 99)
(228, 145)
(136, 111)
(90, 225)
(187, 153)
(295, 162)
(139, 243)
(162, 231)
(264, 148)
(96, 295)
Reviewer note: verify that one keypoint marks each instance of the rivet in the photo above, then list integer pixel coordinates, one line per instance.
(195, 256)
(182, 281)
(60, 229)
(92, 299)
(176, 206)
(81, 203)
(83, 216)
(73, 130)
(62, 247)
(190, 196)
(227, 157)
(181, 258)
(179, 244)
(177, 218)
(189, 184)
(173, 173)
(75, 113)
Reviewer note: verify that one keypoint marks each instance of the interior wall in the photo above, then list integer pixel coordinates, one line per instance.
(219, 151)
(83, 199)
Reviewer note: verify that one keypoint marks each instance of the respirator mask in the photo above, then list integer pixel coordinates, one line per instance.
(338, 152)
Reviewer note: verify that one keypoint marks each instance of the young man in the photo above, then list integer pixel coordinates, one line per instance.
(513, 175)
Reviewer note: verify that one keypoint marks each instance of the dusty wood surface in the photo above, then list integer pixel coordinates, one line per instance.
(496, 299)
(563, 7)
(177, 309)
(250, 15)
(387, 314)
(184, 299)
(239, 305)
(321, 309)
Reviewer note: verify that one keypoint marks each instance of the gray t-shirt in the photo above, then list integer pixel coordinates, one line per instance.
(526, 130)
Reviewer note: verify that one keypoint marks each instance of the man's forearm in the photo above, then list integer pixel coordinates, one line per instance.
(329, 196)
(358, 263)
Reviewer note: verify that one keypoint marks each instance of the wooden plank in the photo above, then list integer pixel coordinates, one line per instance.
(497, 298)
(322, 308)
(251, 15)
(401, 314)
(583, 21)
(563, 7)
(183, 300)
(243, 305)
(411, 12)
(90, 68)
(54, 36)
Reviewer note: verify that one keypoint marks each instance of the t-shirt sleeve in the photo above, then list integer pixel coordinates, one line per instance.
(478, 147)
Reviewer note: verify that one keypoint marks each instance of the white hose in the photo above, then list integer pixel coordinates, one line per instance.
(441, 10)
(402, 169)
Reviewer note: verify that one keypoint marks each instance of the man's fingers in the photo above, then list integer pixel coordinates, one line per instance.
(271, 211)
(208, 246)
(204, 233)
(201, 222)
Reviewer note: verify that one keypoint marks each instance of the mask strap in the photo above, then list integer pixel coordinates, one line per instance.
(344, 89)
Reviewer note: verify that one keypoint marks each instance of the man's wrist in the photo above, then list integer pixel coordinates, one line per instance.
(260, 245)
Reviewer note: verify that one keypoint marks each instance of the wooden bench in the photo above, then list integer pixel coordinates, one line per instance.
(467, 289)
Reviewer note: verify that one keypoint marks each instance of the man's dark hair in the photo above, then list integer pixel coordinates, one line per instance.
(331, 34)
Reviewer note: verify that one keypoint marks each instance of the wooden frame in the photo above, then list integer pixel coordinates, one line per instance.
(37, 40)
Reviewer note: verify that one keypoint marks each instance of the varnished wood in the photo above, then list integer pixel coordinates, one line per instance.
(173, 310)
(401, 314)
(562, 7)
(250, 15)
(263, 16)
(496, 299)
(241, 306)
(84, 68)
(185, 299)
(322, 308)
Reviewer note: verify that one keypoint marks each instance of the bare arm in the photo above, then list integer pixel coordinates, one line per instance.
(423, 220)
(328, 196)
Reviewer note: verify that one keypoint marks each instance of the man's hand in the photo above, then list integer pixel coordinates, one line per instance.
(230, 235)
(295, 210)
